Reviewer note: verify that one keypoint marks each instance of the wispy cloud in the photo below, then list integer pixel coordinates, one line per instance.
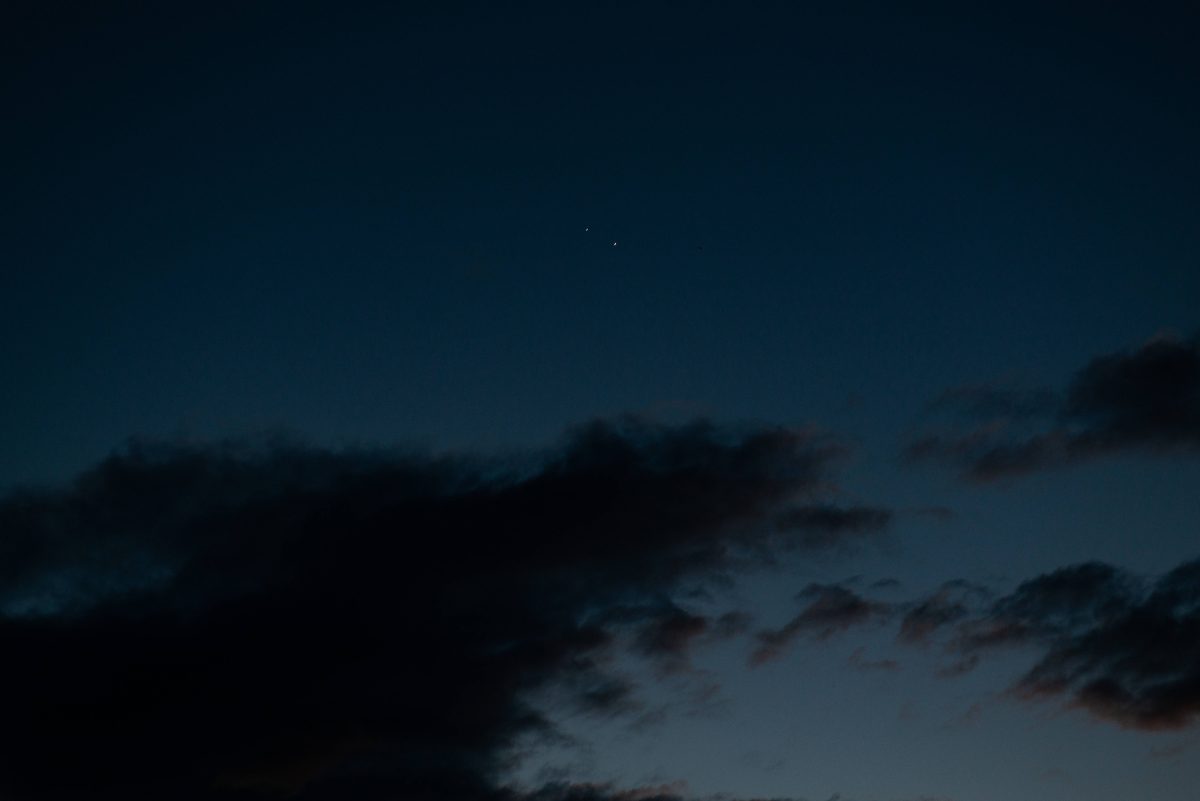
(829, 610)
(1124, 651)
(1146, 400)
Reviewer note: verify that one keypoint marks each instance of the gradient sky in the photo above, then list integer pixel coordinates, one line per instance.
(462, 229)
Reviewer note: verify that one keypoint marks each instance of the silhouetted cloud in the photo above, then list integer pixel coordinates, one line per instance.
(670, 637)
(604, 792)
(948, 605)
(824, 526)
(1124, 652)
(731, 624)
(960, 667)
(191, 623)
(928, 616)
(1146, 400)
(831, 609)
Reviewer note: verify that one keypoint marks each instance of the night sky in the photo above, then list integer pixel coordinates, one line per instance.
(599, 402)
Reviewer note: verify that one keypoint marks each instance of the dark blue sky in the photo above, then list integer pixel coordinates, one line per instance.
(369, 222)
(471, 226)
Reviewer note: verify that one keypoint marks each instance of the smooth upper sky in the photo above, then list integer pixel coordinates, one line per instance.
(946, 260)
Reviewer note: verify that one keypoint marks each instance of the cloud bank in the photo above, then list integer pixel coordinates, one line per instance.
(1146, 400)
(1124, 652)
(288, 622)
(1123, 649)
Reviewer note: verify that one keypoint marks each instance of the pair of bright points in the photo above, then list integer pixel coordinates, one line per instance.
(586, 229)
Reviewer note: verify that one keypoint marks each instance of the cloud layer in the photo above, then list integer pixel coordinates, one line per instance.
(1146, 400)
(1124, 652)
(288, 622)
(829, 609)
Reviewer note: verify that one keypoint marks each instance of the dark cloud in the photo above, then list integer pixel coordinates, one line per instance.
(1124, 652)
(731, 624)
(831, 609)
(950, 604)
(928, 616)
(1147, 400)
(824, 526)
(604, 792)
(670, 636)
(285, 622)
(960, 667)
